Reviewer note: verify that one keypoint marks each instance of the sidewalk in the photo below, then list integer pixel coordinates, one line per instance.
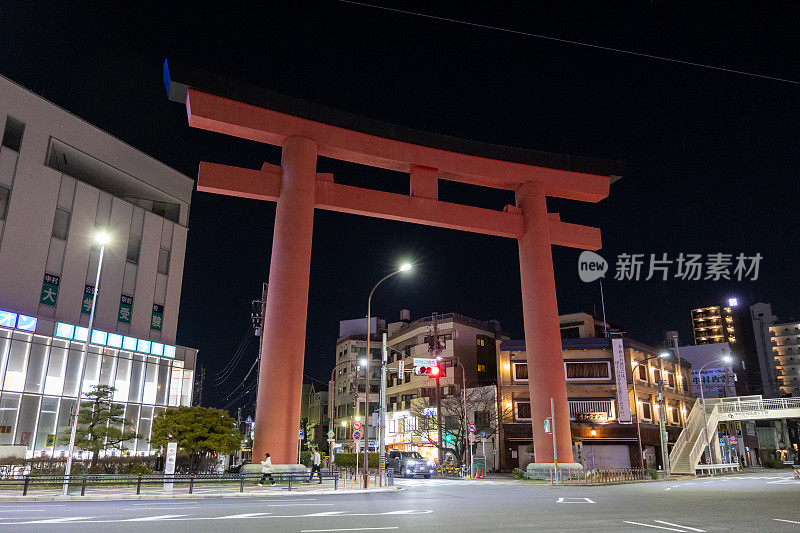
(182, 492)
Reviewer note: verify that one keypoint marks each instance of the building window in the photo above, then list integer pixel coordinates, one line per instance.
(61, 224)
(480, 342)
(12, 135)
(520, 371)
(593, 370)
(4, 196)
(163, 261)
(134, 246)
(642, 372)
(647, 413)
(671, 380)
(482, 419)
(523, 411)
(481, 368)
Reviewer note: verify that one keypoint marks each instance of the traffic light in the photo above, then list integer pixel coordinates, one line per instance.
(433, 371)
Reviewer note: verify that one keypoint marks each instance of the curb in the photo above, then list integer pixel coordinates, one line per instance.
(201, 496)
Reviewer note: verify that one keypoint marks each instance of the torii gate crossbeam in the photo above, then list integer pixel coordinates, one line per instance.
(298, 189)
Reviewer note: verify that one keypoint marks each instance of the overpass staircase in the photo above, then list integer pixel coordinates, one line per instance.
(700, 431)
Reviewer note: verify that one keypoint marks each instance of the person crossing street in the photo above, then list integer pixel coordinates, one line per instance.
(316, 460)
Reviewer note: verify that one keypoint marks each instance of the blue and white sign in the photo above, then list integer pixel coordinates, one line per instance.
(423, 361)
(8, 319)
(302, 433)
(357, 435)
(102, 338)
(250, 420)
(483, 435)
(15, 321)
(26, 323)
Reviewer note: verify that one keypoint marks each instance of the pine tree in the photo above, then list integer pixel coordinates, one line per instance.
(100, 424)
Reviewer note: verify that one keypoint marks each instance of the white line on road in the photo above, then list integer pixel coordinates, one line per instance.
(299, 504)
(288, 501)
(580, 500)
(347, 529)
(782, 520)
(656, 527)
(243, 515)
(678, 525)
(161, 508)
(151, 518)
(58, 520)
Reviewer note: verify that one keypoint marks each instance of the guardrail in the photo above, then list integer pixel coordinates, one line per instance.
(716, 468)
(759, 405)
(601, 476)
(154, 482)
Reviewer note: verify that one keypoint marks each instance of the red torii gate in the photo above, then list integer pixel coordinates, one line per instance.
(298, 189)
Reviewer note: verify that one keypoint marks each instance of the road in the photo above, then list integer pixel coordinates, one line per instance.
(768, 502)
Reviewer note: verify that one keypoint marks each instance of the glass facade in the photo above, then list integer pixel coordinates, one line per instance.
(39, 378)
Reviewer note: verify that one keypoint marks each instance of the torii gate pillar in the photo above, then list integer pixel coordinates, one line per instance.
(542, 331)
(283, 338)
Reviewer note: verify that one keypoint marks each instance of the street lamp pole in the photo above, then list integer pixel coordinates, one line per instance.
(636, 402)
(726, 360)
(100, 238)
(403, 268)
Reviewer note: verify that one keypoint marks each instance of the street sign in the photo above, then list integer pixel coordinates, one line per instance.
(401, 367)
(51, 440)
(471, 428)
(302, 433)
(547, 425)
(483, 435)
(383, 461)
(331, 434)
(356, 425)
(249, 420)
(422, 361)
(357, 435)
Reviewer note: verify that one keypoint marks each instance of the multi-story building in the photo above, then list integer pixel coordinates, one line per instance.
(601, 374)
(785, 342)
(469, 340)
(61, 181)
(318, 425)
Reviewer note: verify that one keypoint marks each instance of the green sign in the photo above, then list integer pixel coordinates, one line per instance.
(88, 298)
(157, 318)
(125, 309)
(49, 294)
(478, 465)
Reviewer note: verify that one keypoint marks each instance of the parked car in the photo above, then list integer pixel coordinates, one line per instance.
(409, 464)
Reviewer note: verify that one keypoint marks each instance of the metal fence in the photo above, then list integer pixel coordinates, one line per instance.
(154, 483)
(569, 476)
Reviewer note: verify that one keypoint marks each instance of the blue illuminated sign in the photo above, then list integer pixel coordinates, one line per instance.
(103, 338)
(8, 319)
(26, 323)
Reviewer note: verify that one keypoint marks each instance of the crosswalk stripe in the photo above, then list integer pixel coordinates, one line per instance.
(656, 527)
(151, 518)
(678, 525)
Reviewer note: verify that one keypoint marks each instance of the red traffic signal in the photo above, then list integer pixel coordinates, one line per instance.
(430, 371)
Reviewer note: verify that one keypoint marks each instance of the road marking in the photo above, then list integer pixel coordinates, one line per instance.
(656, 527)
(58, 520)
(298, 504)
(287, 501)
(348, 529)
(580, 500)
(161, 508)
(152, 518)
(235, 516)
(782, 520)
(678, 525)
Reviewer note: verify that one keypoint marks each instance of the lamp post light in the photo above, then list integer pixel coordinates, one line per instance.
(725, 359)
(101, 238)
(636, 402)
(405, 267)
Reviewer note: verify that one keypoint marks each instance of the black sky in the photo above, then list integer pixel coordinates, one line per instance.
(711, 158)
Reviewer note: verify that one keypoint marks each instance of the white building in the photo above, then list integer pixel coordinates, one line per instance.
(785, 340)
(62, 180)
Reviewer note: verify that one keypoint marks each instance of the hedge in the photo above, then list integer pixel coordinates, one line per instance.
(348, 460)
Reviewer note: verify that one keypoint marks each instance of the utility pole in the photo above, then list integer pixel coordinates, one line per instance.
(382, 410)
(201, 378)
(435, 352)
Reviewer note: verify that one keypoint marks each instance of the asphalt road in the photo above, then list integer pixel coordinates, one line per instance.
(768, 502)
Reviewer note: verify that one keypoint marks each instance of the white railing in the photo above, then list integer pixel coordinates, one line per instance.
(577, 407)
(704, 438)
(759, 405)
(693, 425)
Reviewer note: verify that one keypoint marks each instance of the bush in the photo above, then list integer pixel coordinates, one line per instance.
(519, 474)
(348, 460)
(774, 463)
(138, 468)
(652, 473)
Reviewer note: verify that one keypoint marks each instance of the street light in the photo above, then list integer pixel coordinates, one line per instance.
(725, 359)
(663, 355)
(404, 267)
(100, 238)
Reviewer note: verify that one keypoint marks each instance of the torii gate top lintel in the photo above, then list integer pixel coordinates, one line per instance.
(226, 106)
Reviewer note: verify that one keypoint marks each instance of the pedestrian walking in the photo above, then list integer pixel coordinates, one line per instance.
(266, 470)
(316, 461)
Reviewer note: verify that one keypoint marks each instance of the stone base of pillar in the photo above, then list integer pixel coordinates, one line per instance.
(542, 470)
(276, 469)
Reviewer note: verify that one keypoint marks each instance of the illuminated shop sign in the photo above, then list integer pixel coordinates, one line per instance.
(114, 340)
(15, 321)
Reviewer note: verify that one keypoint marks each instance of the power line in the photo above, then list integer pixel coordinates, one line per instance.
(569, 41)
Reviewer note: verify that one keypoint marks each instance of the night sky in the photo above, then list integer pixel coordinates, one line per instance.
(711, 157)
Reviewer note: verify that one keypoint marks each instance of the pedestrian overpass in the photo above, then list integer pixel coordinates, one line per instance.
(693, 439)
